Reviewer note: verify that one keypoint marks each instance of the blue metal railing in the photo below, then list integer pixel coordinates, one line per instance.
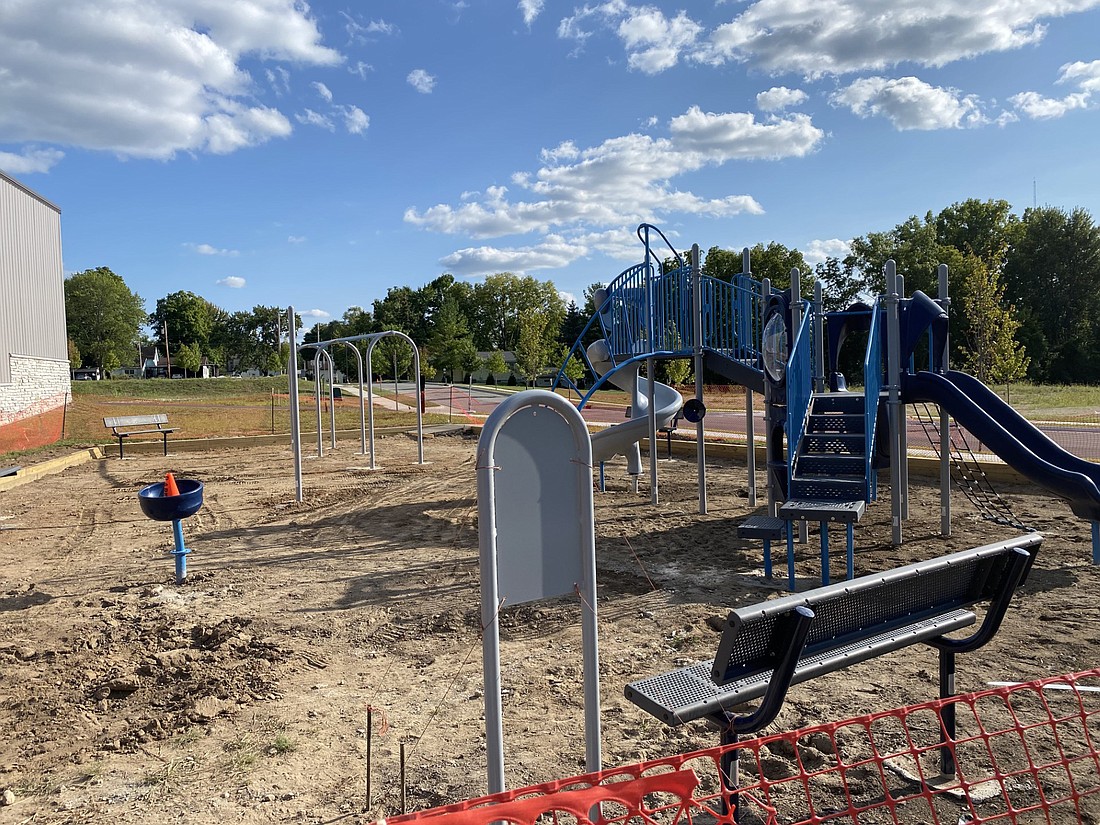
(872, 387)
(800, 384)
(732, 317)
(650, 312)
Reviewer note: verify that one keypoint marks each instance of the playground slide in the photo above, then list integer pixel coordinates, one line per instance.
(621, 439)
(1012, 437)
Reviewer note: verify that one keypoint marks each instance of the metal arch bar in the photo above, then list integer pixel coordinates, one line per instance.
(375, 338)
(362, 413)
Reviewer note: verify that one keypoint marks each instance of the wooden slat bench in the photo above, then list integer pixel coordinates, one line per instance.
(767, 647)
(122, 427)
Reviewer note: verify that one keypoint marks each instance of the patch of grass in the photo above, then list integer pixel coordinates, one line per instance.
(171, 774)
(281, 745)
(241, 755)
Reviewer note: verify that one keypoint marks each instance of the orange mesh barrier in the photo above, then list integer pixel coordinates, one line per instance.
(1025, 753)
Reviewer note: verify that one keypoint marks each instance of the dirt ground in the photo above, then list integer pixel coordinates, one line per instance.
(242, 695)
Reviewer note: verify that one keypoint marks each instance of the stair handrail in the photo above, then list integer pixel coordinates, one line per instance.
(799, 375)
(872, 388)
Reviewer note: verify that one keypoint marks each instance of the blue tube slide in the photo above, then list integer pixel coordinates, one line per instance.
(1012, 437)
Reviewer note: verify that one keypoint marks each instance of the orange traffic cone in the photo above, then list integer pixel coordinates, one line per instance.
(170, 488)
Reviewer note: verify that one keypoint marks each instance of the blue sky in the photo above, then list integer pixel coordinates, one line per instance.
(270, 152)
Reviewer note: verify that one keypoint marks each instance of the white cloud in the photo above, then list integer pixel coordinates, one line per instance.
(819, 250)
(421, 81)
(364, 32)
(312, 118)
(207, 249)
(147, 79)
(1086, 76)
(356, 120)
(910, 103)
(840, 36)
(279, 80)
(232, 281)
(296, 239)
(553, 252)
(314, 313)
(778, 98)
(322, 90)
(360, 69)
(567, 298)
(530, 9)
(30, 161)
(653, 42)
(591, 194)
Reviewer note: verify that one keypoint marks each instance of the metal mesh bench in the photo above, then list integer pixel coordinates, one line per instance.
(124, 426)
(823, 512)
(767, 647)
(767, 529)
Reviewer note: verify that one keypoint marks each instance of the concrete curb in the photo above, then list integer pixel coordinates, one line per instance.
(46, 468)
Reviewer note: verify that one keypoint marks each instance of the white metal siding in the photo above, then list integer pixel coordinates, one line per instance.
(32, 294)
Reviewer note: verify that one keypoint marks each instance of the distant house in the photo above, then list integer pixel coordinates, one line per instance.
(481, 375)
(34, 355)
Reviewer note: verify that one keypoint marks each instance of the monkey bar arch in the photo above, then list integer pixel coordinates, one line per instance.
(366, 410)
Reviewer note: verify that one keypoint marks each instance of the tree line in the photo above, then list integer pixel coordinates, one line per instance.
(1025, 303)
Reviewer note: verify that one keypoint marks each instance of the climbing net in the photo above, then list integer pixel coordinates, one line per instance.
(1025, 753)
(966, 472)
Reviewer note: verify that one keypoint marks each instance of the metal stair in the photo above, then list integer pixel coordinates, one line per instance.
(830, 458)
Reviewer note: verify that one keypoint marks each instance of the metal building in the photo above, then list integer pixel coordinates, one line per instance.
(34, 364)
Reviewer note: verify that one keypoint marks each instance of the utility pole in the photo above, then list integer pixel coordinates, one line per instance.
(167, 357)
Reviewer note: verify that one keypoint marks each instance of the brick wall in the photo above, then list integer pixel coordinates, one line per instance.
(32, 401)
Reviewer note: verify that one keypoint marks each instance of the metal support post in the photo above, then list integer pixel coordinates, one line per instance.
(819, 339)
(945, 418)
(750, 447)
(295, 413)
(893, 405)
(697, 332)
(903, 428)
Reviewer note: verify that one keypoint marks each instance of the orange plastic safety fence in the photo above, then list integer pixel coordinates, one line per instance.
(1025, 753)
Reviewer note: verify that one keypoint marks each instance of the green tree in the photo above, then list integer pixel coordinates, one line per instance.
(984, 228)
(776, 261)
(103, 317)
(451, 347)
(534, 347)
(74, 354)
(495, 364)
(1052, 274)
(189, 357)
(189, 318)
(721, 264)
(676, 370)
(574, 367)
(500, 301)
(991, 352)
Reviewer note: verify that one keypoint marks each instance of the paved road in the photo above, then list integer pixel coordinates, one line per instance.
(466, 403)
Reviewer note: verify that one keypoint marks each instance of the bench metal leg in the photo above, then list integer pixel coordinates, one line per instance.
(947, 712)
(120, 446)
(166, 443)
(790, 556)
(767, 558)
(824, 553)
(1096, 542)
(730, 766)
(851, 551)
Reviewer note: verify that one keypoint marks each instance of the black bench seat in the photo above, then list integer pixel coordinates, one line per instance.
(124, 426)
(767, 647)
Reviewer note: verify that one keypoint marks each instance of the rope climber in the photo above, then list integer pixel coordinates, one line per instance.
(967, 473)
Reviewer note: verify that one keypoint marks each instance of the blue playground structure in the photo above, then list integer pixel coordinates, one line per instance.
(825, 444)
